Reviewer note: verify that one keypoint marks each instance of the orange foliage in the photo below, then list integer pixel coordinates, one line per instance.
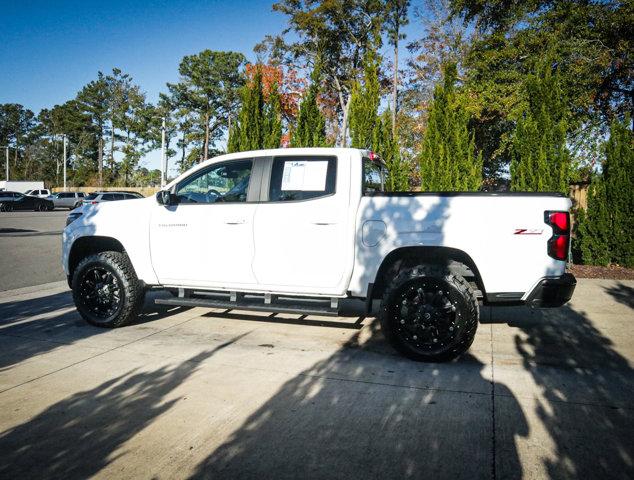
(291, 86)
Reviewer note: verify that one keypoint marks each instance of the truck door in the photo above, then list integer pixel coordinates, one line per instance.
(206, 240)
(303, 236)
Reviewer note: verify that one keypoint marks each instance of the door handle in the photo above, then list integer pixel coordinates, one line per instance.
(235, 221)
(324, 223)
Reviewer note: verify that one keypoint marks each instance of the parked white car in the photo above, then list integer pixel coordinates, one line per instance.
(312, 231)
(38, 192)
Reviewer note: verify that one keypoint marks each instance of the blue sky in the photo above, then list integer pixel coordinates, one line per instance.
(50, 49)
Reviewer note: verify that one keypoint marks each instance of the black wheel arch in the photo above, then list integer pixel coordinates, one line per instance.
(405, 257)
(89, 245)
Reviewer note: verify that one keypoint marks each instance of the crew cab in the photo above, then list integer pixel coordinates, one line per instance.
(313, 231)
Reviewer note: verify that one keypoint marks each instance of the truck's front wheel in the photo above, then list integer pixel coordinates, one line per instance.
(429, 314)
(106, 290)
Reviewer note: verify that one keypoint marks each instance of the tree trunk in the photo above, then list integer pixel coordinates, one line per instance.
(112, 148)
(395, 88)
(100, 160)
(344, 108)
(206, 150)
(344, 126)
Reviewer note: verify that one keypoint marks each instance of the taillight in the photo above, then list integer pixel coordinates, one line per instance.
(559, 243)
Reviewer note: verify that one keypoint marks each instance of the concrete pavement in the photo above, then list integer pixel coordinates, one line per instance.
(216, 394)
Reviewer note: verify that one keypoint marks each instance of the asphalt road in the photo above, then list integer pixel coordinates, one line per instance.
(204, 393)
(30, 248)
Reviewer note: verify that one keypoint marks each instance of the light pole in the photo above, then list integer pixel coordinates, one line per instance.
(163, 159)
(64, 140)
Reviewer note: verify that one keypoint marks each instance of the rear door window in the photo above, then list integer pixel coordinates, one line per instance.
(302, 178)
(373, 177)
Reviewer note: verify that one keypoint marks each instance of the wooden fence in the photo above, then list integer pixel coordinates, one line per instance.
(579, 194)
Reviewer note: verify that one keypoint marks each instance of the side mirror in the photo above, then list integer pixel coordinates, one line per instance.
(165, 197)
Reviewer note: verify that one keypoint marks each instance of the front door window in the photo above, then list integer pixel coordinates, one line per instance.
(226, 182)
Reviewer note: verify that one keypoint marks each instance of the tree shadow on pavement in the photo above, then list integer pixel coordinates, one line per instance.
(622, 294)
(365, 412)
(76, 437)
(57, 323)
(15, 311)
(586, 394)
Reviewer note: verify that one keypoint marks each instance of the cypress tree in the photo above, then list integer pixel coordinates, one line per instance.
(618, 177)
(273, 119)
(386, 145)
(593, 226)
(605, 233)
(540, 160)
(259, 123)
(310, 130)
(448, 160)
(364, 103)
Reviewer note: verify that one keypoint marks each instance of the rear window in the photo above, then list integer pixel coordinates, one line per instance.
(80, 194)
(373, 177)
(302, 178)
(92, 196)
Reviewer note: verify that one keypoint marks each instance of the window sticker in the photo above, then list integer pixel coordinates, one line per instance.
(300, 175)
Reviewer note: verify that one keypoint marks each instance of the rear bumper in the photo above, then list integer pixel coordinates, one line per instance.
(552, 292)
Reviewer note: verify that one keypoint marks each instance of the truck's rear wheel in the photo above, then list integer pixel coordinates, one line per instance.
(106, 290)
(429, 314)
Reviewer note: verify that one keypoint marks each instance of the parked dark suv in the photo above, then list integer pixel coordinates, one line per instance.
(18, 201)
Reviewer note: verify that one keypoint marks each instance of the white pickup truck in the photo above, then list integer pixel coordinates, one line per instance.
(312, 231)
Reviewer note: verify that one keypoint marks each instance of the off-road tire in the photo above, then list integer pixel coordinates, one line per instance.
(131, 289)
(463, 320)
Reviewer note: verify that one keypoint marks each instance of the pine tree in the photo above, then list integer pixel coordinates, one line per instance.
(386, 145)
(618, 177)
(540, 160)
(448, 161)
(364, 103)
(310, 130)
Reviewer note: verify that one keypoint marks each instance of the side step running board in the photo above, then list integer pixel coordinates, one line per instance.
(279, 305)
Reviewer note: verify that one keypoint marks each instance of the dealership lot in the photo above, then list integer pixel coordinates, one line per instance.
(228, 394)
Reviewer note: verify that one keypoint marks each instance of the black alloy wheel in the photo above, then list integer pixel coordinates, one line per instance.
(100, 293)
(426, 315)
(429, 314)
(106, 290)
